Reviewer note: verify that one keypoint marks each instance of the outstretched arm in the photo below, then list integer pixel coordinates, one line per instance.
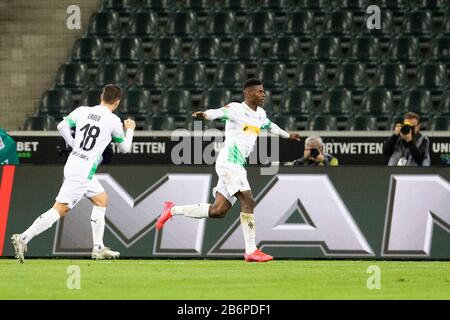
(276, 130)
(64, 131)
(211, 114)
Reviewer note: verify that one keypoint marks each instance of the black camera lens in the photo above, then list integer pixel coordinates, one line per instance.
(405, 129)
(314, 153)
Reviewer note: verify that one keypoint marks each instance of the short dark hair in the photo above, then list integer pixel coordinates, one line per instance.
(412, 115)
(252, 82)
(111, 93)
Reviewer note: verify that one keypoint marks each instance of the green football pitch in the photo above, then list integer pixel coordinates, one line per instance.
(222, 279)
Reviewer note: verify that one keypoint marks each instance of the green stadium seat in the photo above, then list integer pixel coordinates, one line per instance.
(151, 75)
(444, 104)
(273, 5)
(191, 75)
(91, 97)
(128, 50)
(377, 102)
(395, 5)
(182, 24)
(221, 24)
(445, 27)
(121, 6)
(260, 23)
(56, 102)
(40, 122)
(354, 5)
(105, 24)
(351, 75)
(440, 49)
(391, 76)
(438, 123)
(432, 76)
(206, 49)
(160, 122)
(143, 24)
(418, 23)
(88, 50)
(300, 23)
(196, 5)
(433, 5)
(326, 48)
(317, 5)
(272, 74)
(136, 102)
(404, 49)
(159, 5)
(416, 100)
(311, 75)
(365, 49)
(72, 76)
(362, 123)
(114, 73)
(339, 23)
(285, 122)
(167, 49)
(322, 123)
(297, 102)
(235, 5)
(215, 98)
(336, 102)
(176, 102)
(246, 49)
(230, 75)
(285, 49)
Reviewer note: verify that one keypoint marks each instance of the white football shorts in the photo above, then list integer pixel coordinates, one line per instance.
(232, 179)
(75, 187)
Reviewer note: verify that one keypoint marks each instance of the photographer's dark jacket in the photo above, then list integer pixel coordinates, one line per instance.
(329, 161)
(415, 152)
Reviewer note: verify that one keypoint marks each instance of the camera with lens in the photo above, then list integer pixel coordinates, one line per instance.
(313, 153)
(406, 127)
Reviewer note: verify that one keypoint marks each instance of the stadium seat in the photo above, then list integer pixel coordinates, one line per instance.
(387, 28)
(191, 124)
(159, 5)
(365, 49)
(326, 48)
(151, 75)
(300, 23)
(404, 49)
(40, 122)
(115, 73)
(272, 74)
(235, 5)
(440, 49)
(56, 102)
(362, 123)
(351, 75)
(206, 49)
(176, 102)
(391, 76)
(285, 49)
(191, 75)
(285, 122)
(91, 97)
(438, 123)
(143, 24)
(444, 104)
(215, 97)
(355, 5)
(221, 24)
(88, 50)
(246, 49)
(318, 5)
(322, 123)
(104, 24)
(445, 27)
(273, 5)
(166, 49)
(396, 5)
(297, 102)
(182, 24)
(311, 75)
(121, 6)
(128, 50)
(196, 5)
(339, 23)
(416, 100)
(434, 5)
(260, 23)
(377, 102)
(136, 102)
(231, 75)
(72, 76)
(418, 23)
(431, 76)
(336, 102)
(160, 122)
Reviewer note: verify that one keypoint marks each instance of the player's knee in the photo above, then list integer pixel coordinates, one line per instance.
(248, 205)
(217, 212)
(100, 200)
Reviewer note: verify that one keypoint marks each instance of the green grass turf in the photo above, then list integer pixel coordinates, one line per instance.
(223, 279)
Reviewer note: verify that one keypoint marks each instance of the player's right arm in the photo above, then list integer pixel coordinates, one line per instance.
(212, 114)
(65, 126)
(124, 141)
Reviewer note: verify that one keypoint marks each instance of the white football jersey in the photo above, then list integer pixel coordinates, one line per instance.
(95, 127)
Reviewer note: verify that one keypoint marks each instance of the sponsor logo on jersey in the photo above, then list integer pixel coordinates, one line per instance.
(251, 129)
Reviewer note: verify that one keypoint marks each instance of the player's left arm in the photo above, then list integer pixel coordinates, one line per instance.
(273, 128)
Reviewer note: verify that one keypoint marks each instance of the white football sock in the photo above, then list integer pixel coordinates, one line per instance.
(42, 223)
(248, 227)
(197, 211)
(98, 226)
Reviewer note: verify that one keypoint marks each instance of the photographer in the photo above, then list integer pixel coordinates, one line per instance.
(314, 155)
(407, 146)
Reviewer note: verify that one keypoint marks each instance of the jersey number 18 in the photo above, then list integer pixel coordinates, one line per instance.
(90, 136)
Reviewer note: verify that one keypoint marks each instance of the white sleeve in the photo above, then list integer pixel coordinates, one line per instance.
(274, 129)
(64, 131)
(123, 141)
(213, 114)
